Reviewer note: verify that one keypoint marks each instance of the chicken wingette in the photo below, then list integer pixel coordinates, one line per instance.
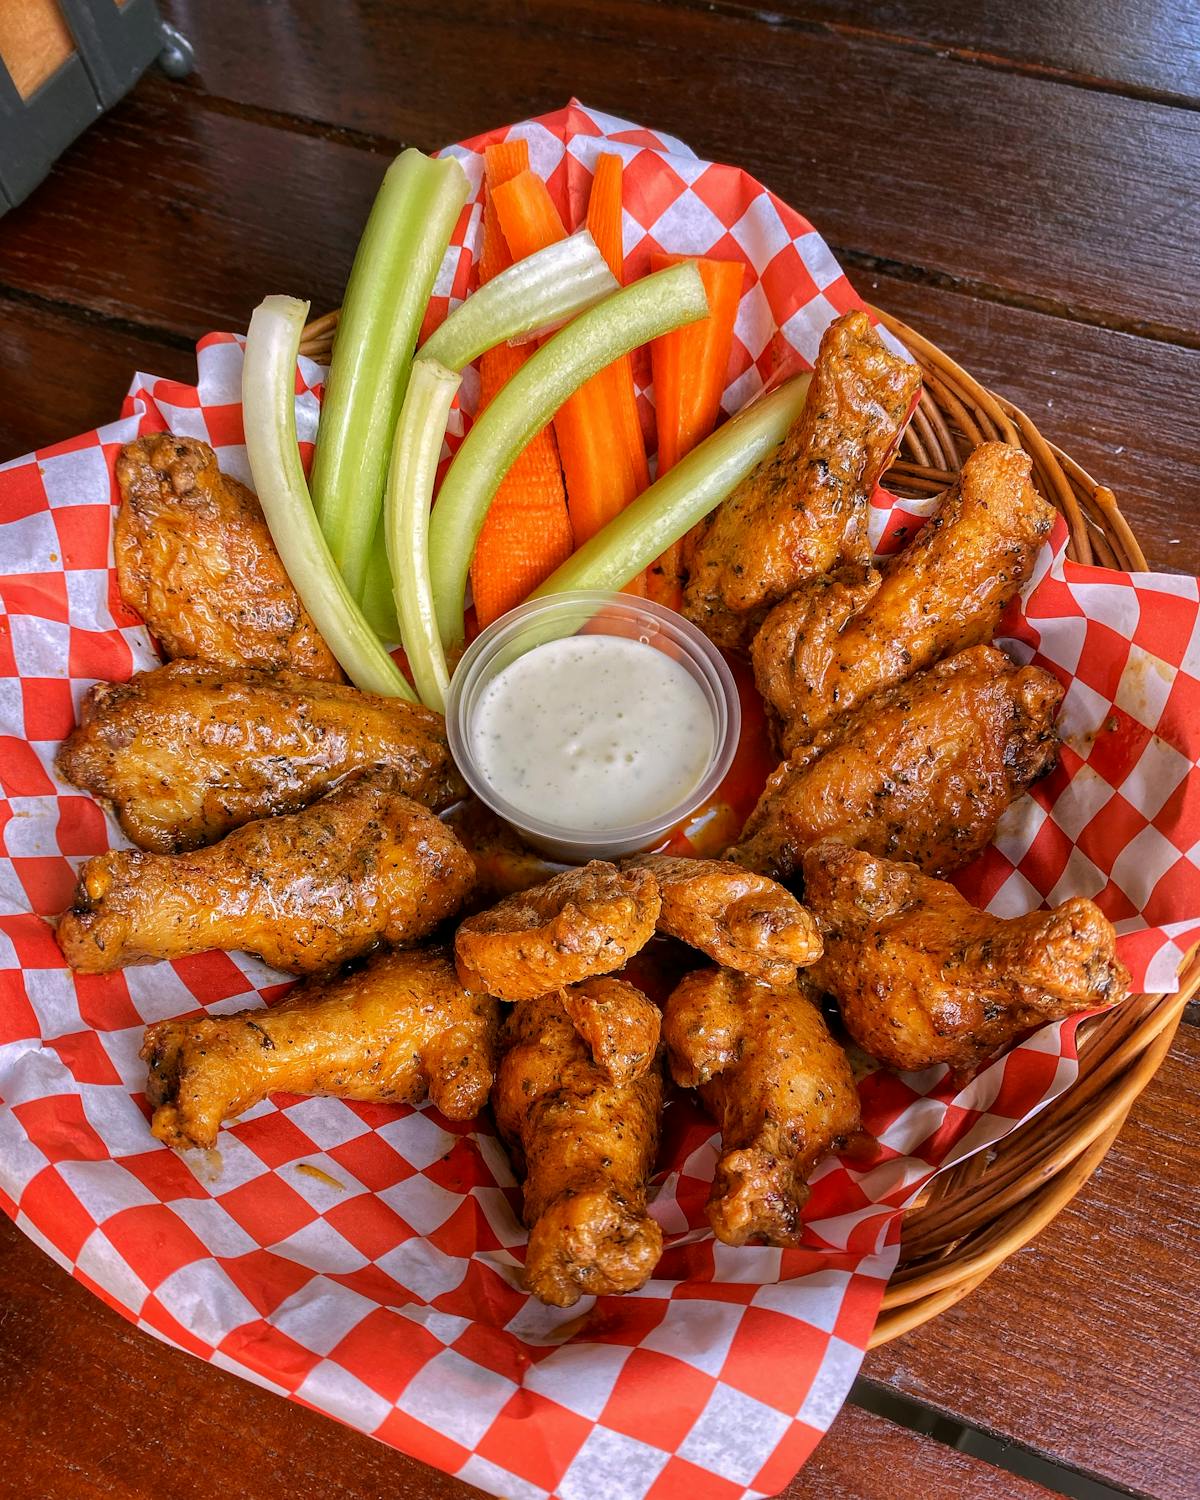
(777, 1084)
(395, 1030)
(195, 559)
(922, 977)
(919, 772)
(578, 924)
(839, 639)
(190, 751)
(306, 892)
(803, 511)
(584, 1149)
(737, 917)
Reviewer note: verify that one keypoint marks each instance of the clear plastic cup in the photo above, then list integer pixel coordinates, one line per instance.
(592, 612)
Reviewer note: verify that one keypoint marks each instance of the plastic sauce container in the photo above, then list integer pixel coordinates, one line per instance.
(593, 722)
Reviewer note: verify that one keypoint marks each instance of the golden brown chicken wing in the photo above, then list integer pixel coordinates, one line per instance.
(396, 1030)
(195, 559)
(777, 1084)
(617, 1022)
(923, 977)
(585, 1148)
(190, 751)
(580, 923)
(307, 892)
(804, 510)
(837, 640)
(922, 771)
(739, 918)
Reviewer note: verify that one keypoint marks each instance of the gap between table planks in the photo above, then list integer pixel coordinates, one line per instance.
(807, 153)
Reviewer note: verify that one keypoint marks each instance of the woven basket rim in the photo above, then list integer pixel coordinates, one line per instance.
(976, 1214)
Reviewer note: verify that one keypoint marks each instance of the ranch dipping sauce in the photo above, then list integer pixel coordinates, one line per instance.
(593, 732)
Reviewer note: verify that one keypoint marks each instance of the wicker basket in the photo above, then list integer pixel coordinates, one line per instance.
(975, 1215)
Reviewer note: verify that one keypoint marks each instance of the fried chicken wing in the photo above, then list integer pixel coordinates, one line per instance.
(583, 922)
(307, 891)
(737, 917)
(836, 641)
(396, 1030)
(804, 509)
(921, 771)
(195, 559)
(617, 1022)
(190, 751)
(777, 1084)
(584, 1147)
(923, 977)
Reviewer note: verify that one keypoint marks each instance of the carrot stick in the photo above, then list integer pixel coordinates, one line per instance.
(689, 368)
(596, 461)
(527, 533)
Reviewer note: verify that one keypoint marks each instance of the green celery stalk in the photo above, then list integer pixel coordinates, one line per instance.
(411, 475)
(269, 412)
(398, 257)
(684, 495)
(536, 293)
(519, 410)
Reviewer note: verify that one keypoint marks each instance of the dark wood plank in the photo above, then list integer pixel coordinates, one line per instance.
(1123, 407)
(1032, 188)
(864, 1457)
(65, 375)
(1083, 1346)
(97, 1410)
(1152, 49)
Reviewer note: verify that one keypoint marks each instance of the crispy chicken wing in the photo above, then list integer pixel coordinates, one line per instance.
(190, 751)
(307, 891)
(585, 1148)
(396, 1030)
(777, 1084)
(921, 771)
(839, 639)
(620, 1026)
(737, 917)
(580, 923)
(196, 561)
(923, 977)
(804, 509)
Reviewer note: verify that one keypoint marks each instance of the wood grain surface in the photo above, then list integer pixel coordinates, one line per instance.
(1018, 182)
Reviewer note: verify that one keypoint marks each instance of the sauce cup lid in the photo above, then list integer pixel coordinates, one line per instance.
(592, 611)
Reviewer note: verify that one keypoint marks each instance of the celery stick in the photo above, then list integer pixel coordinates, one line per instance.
(377, 602)
(398, 257)
(411, 475)
(534, 294)
(684, 495)
(520, 409)
(269, 412)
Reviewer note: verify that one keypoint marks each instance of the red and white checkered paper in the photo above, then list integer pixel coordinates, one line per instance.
(391, 1300)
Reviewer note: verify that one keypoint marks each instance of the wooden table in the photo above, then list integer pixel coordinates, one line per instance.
(1023, 190)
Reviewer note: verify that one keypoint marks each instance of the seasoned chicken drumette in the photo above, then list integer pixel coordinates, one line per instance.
(619, 1025)
(838, 639)
(584, 1147)
(195, 559)
(923, 977)
(583, 922)
(803, 511)
(737, 917)
(396, 1030)
(190, 751)
(777, 1084)
(921, 771)
(307, 892)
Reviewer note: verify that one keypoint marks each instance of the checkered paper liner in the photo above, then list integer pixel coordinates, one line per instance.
(383, 1288)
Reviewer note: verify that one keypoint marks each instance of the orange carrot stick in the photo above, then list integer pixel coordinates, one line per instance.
(527, 533)
(689, 368)
(596, 461)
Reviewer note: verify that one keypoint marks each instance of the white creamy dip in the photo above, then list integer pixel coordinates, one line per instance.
(593, 732)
